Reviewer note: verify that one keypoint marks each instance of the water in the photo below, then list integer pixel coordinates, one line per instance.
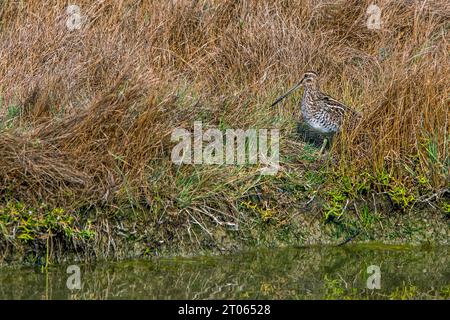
(290, 273)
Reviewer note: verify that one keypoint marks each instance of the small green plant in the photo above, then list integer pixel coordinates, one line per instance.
(367, 217)
(336, 205)
(265, 214)
(309, 153)
(400, 196)
(432, 149)
(354, 186)
(40, 223)
(13, 112)
(446, 208)
(383, 178)
(423, 180)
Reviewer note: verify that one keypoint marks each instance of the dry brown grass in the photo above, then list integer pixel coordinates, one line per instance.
(98, 104)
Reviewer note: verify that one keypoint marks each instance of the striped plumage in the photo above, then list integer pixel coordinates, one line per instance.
(320, 111)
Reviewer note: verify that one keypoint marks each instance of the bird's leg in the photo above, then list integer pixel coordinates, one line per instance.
(324, 144)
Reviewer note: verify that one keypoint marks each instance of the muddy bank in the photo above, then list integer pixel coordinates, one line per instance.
(44, 236)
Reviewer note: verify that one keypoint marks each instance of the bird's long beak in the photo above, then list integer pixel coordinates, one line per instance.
(287, 93)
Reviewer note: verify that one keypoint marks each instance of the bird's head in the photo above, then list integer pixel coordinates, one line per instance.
(309, 80)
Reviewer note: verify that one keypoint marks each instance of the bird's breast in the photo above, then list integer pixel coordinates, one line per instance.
(321, 125)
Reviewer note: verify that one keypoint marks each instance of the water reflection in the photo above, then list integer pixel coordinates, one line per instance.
(291, 273)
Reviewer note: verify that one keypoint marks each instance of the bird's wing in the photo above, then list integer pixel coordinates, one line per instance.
(337, 106)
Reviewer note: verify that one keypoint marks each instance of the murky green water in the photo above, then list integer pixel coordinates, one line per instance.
(291, 273)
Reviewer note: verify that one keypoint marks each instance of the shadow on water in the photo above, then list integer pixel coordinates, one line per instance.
(289, 273)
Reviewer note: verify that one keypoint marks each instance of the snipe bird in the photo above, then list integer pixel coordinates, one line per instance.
(320, 111)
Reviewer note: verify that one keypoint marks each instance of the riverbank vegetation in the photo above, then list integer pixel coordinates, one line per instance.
(87, 114)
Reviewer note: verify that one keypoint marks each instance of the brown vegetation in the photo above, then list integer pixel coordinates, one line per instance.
(97, 105)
